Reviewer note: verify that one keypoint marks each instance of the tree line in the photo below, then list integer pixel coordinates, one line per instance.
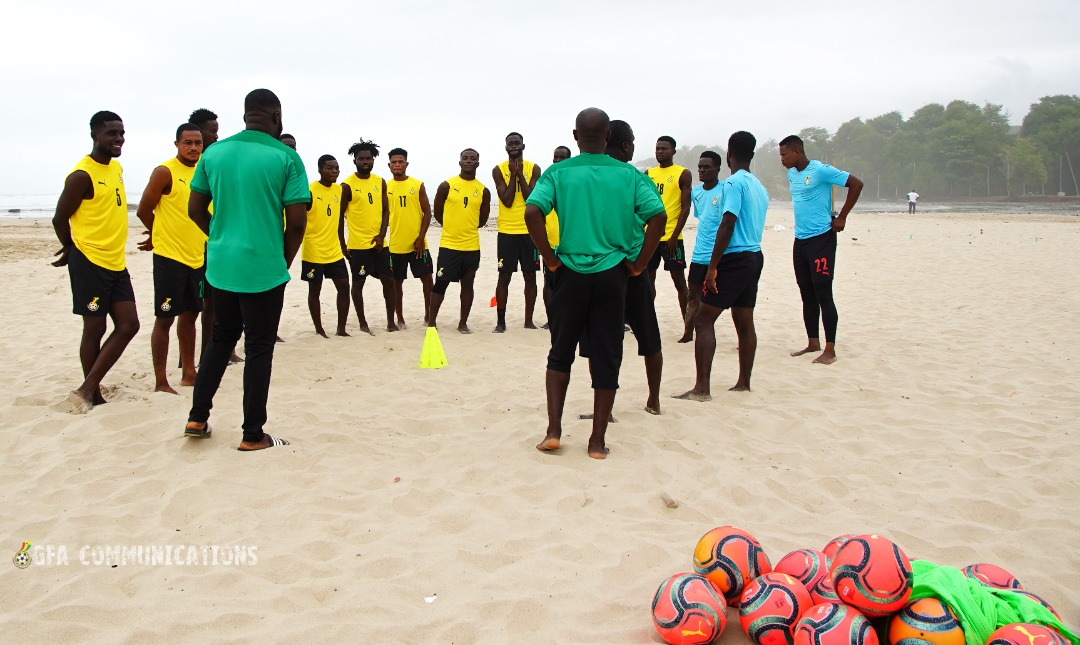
(959, 150)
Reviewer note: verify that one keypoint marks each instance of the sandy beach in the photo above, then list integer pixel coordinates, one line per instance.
(411, 506)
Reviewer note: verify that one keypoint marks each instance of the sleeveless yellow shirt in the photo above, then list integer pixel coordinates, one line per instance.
(512, 218)
(363, 216)
(405, 213)
(175, 236)
(461, 215)
(667, 184)
(99, 226)
(321, 244)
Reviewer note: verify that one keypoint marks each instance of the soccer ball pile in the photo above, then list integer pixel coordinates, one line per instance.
(812, 597)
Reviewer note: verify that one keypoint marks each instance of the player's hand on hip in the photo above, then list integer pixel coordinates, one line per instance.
(63, 257)
(710, 280)
(838, 224)
(148, 243)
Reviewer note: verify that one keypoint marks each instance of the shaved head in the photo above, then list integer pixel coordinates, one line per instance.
(592, 129)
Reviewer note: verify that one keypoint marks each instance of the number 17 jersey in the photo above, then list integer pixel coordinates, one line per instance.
(364, 213)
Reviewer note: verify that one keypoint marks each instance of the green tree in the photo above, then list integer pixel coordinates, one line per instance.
(1025, 167)
(1054, 122)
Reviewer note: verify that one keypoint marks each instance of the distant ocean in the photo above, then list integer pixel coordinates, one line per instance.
(28, 205)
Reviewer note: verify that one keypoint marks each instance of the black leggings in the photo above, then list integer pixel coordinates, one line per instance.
(817, 298)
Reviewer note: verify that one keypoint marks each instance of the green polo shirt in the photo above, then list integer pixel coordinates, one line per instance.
(251, 177)
(602, 205)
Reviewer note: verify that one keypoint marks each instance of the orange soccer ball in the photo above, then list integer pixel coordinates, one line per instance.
(992, 575)
(872, 574)
(812, 569)
(730, 558)
(926, 622)
(834, 545)
(1025, 634)
(687, 609)
(770, 606)
(834, 624)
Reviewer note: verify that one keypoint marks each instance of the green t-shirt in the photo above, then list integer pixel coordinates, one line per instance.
(251, 177)
(602, 205)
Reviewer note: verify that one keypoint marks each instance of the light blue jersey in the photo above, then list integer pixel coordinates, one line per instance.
(747, 200)
(811, 196)
(707, 209)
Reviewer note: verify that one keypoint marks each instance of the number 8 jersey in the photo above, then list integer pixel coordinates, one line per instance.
(364, 214)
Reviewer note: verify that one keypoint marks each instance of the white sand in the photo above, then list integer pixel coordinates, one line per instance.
(949, 424)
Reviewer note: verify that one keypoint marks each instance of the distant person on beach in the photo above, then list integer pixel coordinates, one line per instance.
(366, 213)
(673, 182)
(731, 280)
(179, 256)
(462, 207)
(208, 125)
(814, 251)
(515, 179)
(608, 213)
(706, 199)
(410, 216)
(912, 197)
(323, 254)
(91, 222)
(251, 177)
(551, 222)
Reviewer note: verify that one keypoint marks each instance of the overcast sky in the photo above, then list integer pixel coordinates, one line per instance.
(436, 76)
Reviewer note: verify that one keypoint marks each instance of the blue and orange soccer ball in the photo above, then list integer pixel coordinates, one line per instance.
(1025, 634)
(730, 558)
(687, 609)
(926, 622)
(834, 624)
(992, 575)
(811, 568)
(770, 606)
(872, 574)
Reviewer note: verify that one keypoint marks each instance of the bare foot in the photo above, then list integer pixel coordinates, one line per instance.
(598, 452)
(588, 417)
(83, 402)
(828, 357)
(530, 325)
(499, 329)
(366, 330)
(187, 381)
(694, 395)
(165, 387)
(320, 331)
(548, 444)
(401, 325)
(99, 398)
(812, 347)
(342, 332)
(391, 327)
(686, 338)
(267, 442)
(653, 409)
(234, 359)
(739, 387)
(463, 328)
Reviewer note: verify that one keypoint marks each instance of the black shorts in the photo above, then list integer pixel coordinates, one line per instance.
(315, 271)
(737, 278)
(592, 304)
(814, 258)
(453, 264)
(674, 262)
(697, 273)
(400, 263)
(517, 249)
(640, 313)
(365, 263)
(93, 288)
(177, 287)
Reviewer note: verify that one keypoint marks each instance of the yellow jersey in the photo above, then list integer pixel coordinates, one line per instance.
(512, 218)
(363, 216)
(461, 215)
(175, 236)
(321, 244)
(551, 223)
(405, 213)
(667, 184)
(99, 226)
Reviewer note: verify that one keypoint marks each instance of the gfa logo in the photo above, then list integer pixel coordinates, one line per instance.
(94, 306)
(166, 306)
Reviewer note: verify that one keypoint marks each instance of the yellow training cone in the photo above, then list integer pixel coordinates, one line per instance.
(432, 356)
